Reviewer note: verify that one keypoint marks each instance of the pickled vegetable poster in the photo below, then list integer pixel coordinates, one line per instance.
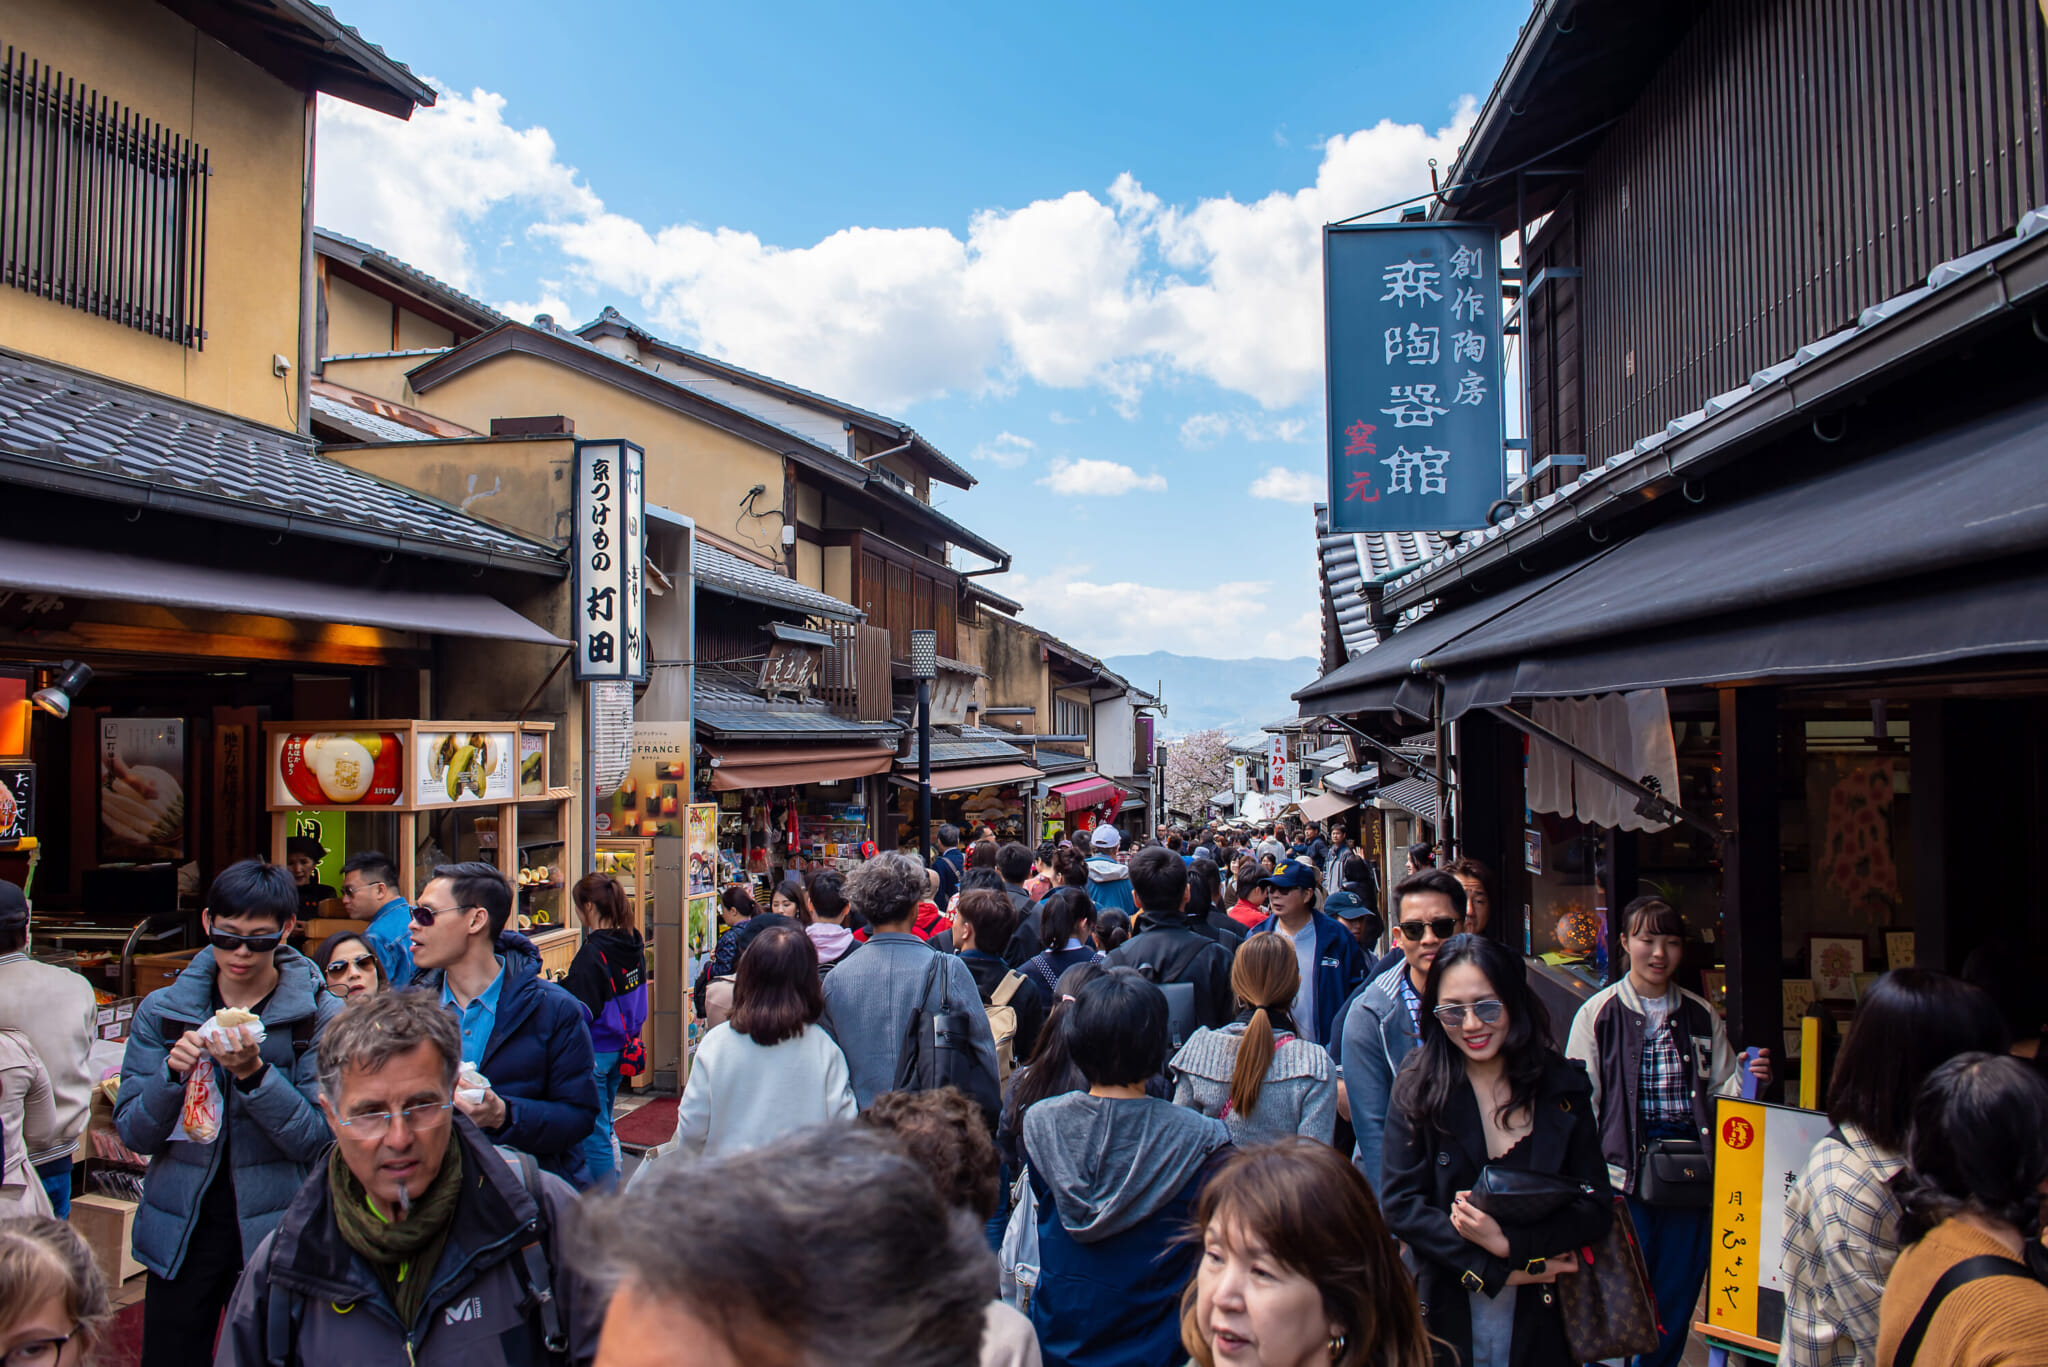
(463, 766)
(142, 789)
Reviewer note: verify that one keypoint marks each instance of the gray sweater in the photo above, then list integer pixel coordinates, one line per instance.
(870, 997)
(1299, 1095)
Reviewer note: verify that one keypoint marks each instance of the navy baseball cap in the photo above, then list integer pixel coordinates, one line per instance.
(1292, 874)
(1346, 906)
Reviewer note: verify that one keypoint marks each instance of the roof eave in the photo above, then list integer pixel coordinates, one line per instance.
(340, 62)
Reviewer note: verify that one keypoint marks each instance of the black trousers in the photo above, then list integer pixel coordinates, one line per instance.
(181, 1315)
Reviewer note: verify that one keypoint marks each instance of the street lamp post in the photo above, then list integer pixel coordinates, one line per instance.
(924, 667)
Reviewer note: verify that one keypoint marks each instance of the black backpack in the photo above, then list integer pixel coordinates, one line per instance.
(1172, 979)
(938, 1046)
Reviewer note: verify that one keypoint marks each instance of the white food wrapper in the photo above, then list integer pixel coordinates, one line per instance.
(199, 1119)
(470, 1085)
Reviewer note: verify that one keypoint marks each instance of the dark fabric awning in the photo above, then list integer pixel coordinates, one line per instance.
(776, 766)
(973, 777)
(1323, 806)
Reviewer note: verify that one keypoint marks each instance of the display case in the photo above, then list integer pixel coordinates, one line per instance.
(833, 833)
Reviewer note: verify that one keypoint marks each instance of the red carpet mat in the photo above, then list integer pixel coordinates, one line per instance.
(654, 1123)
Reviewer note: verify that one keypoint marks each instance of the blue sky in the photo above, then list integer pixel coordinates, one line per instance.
(1075, 245)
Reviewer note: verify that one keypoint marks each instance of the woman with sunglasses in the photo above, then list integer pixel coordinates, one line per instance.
(349, 967)
(1485, 1090)
(53, 1301)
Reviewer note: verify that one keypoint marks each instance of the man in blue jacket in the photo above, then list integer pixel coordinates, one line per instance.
(205, 1205)
(369, 892)
(1331, 962)
(529, 1037)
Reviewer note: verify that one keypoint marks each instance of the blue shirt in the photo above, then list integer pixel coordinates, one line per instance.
(390, 936)
(478, 1018)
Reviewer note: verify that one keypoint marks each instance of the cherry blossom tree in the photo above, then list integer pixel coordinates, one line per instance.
(1197, 766)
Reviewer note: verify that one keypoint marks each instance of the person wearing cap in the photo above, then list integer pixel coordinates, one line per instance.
(302, 856)
(1109, 882)
(1358, 918)
(1331, 962)
(54, 1008)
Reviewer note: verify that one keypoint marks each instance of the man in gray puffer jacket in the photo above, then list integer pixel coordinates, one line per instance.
(416, 1240)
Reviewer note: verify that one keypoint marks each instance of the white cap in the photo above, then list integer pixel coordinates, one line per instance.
(1106, 837)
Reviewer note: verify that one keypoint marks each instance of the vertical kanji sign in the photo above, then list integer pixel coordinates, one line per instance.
(610, 605)
(1277, 777)
(1759, 1152)
(1413, 368)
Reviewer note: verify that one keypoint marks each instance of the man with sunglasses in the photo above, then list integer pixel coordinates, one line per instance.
(1384, 1022)
(416, 1240)
(529, 1036)
(204, 1206)
(370, 892)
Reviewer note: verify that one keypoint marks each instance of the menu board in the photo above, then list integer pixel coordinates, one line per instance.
(452, 768)
(336, 769)
(1759, 1152)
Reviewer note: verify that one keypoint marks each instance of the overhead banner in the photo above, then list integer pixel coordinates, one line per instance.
(610, 547)
(1412, 362)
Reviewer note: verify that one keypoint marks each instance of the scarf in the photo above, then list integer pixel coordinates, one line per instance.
(1280, 1017)
(402, 1253)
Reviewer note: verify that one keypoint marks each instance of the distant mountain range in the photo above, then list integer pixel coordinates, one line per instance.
(1239, 696)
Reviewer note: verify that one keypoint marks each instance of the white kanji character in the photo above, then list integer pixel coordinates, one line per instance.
(1468, 346)
(1405, 467)
(1467, 263)
(1471, 389)
(1415, 405)
(1415, 280)
(1468, 306)
(1394, 344)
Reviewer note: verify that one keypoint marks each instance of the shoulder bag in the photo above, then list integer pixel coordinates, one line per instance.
(1517, 1196)
(1962, 1274)
(1608, 1309)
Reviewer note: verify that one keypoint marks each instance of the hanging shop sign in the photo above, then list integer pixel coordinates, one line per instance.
(1759, 1152)
(610, 549)
(791, 667)
(1240, 775)
(1413, 374)
(17, 803)
(1276, 766)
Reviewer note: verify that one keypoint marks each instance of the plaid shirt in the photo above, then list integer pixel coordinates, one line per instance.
(1662, 1096)
(1841, 1238)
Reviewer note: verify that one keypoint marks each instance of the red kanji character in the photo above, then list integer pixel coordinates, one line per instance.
(1361, 482)
(1360, 434)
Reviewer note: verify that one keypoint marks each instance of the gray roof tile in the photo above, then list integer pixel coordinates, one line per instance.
(724, 572)
(53, 416)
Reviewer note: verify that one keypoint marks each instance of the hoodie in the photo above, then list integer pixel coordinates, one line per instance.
(831, 939)
(1116, 1182)
(1109, 886)
(608, 977)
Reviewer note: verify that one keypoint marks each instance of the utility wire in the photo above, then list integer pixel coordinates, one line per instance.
(1442, 195)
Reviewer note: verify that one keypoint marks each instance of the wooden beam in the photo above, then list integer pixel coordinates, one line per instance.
(1751, 909)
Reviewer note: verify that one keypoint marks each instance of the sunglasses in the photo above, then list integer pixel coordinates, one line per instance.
(227, 942)
(424, 915)
(1443, 927)
(341, 966)
(1453, 1014)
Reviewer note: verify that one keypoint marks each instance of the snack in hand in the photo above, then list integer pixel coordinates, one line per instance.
(228, 1017)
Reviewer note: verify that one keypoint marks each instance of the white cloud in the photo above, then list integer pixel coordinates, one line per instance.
(1203, 430)
(1006, 449)
(1287, 486)
(1129, 618)
(1099, 479)
(1110, 292)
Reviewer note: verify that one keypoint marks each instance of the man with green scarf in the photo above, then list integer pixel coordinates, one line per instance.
(418, 1241)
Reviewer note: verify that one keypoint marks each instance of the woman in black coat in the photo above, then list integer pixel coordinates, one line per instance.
(1484, 1087)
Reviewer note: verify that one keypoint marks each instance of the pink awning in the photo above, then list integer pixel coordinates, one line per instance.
(1091, 791)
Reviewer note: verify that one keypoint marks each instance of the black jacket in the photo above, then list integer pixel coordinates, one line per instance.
(1166, 941)
(1422, 1172)
(988, 973)
(1024, 944)
(1218, 926)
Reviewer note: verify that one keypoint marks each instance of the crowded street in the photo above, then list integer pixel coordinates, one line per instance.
(819, 686)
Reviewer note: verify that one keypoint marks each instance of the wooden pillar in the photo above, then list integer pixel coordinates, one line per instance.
(1751, 911)
(1933, 791)
(1491, 804)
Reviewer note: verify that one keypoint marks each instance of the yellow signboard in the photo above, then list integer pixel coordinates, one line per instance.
(1759, 1152)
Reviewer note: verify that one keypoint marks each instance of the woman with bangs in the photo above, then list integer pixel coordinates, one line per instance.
(53, 1302)
(1482, 1090)
(1297, 1268)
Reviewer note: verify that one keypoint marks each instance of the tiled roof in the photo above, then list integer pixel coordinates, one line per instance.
(427, 284)
(1350, 560)
(964, 745)
(725, 707)
(1056, 761)
(65, 429)
(373, 426)
(1563, 508)
(723, 572)
(1417, 795)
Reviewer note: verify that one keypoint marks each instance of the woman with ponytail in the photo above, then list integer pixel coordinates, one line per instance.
(1254, 1074)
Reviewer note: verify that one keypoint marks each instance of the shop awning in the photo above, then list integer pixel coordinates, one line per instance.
(776, 766)
(1349, 782)
(76, 571)
(1413, 795)
(1323, 806)
(1088, 791)
(975, 776)
(1226, 798)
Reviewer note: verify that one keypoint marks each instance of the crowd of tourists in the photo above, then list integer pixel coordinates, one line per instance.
(1078, 1105)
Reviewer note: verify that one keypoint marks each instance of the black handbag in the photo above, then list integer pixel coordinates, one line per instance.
(1517, 1196)
(1675, 1172)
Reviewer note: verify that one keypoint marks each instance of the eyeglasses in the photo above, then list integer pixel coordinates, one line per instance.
(418, 1119)
(423, 915)
(227, 942)
(37, 1352)
(1443, 927)
(342, 966)
(1452, 1014)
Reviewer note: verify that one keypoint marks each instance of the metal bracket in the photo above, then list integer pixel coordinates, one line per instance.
(1650, 804)
(1388, 752)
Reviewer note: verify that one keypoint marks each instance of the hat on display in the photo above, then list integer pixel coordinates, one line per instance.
(1346, 906)
(1292, 874)
(1106, 838)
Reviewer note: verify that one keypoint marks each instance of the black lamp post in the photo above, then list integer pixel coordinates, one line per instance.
(924, 667)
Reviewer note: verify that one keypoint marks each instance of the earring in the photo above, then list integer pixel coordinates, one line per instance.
(1337, 1347)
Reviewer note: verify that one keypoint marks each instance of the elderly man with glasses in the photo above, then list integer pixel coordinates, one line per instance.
(527, 1036)
(1383, 1022)
(417, 1240)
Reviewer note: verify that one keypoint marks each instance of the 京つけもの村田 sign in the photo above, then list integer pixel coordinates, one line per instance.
(610, 606)
(1412, 338)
